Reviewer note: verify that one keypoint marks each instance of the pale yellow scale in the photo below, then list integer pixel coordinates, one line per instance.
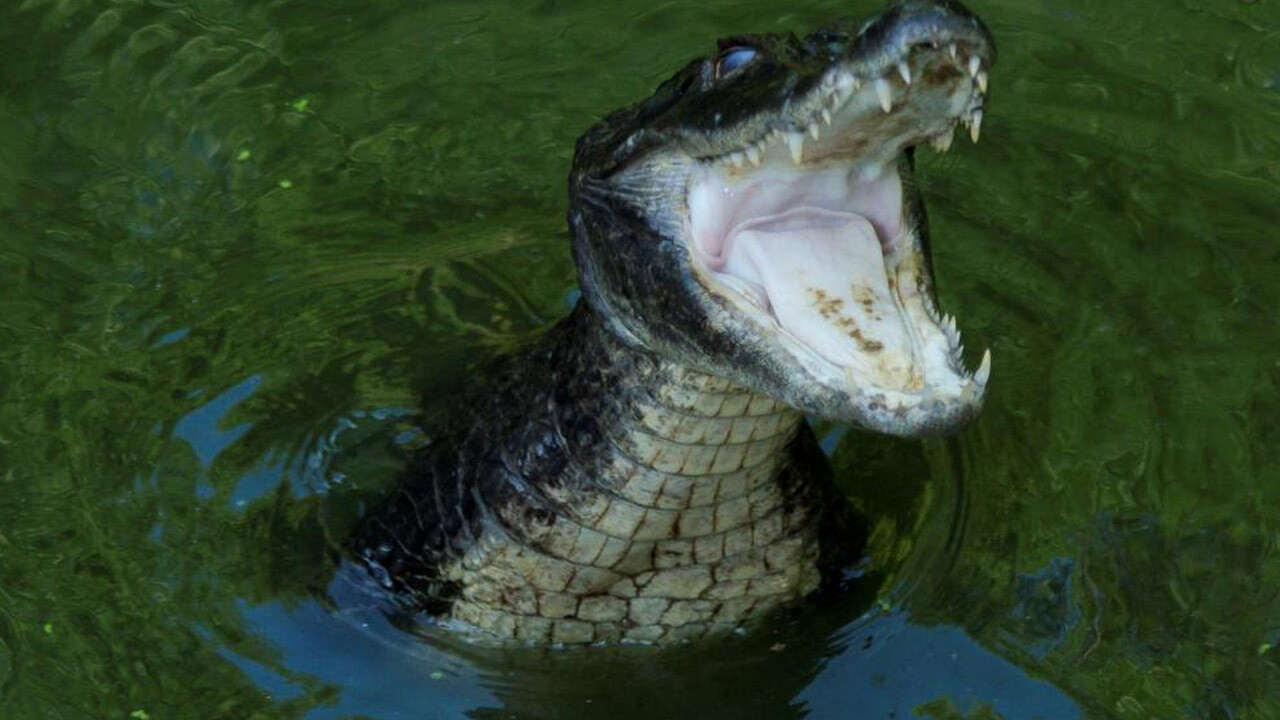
(686, 535)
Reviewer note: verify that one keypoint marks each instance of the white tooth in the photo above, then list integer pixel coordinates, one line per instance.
(982, 81)
(738, 159)
(885, 93)
(846, 84)
(942, 141)
(975, 126)
(905, 71)
(984, 370)
(975, 64)
(814, 130)
(952, 49)
(753, 154)
(826, 116)
(795, 142)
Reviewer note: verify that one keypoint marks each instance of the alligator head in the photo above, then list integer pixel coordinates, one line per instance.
(756, 218)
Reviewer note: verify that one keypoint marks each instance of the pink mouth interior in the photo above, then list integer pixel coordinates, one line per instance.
(810, 247)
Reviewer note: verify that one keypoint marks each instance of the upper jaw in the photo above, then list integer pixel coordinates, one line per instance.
(926, 87)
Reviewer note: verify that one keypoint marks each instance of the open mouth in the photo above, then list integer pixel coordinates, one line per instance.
(805, 230)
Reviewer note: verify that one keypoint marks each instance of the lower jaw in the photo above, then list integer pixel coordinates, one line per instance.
(926, 396)
(877, 363)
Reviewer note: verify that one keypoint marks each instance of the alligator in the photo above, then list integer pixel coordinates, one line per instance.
(751, 247)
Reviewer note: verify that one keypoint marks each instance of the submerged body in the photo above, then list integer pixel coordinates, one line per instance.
(750, 248)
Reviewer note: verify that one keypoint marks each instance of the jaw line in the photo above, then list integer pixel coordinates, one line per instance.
(937, 405)
(928, 342)
(939, 391)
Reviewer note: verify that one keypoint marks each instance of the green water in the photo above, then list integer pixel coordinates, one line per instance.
(239, 240)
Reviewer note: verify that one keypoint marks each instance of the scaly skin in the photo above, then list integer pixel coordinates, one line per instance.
(635, 498)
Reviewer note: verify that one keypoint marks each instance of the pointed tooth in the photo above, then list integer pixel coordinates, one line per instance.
(905, 71)
(952, 50)
(846, 84)
(753, 154)
(885, 93)
(738, 159)
(975, 125)
(982, 81)
(814, 130)
(984, 370)
(826, 116)
(975, 64)
(795, 143)
(942, 141)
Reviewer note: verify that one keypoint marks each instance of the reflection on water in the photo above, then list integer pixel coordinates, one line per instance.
(238, 241)
(883, 666)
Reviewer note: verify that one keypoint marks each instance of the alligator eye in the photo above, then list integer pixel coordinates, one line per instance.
(734, 59)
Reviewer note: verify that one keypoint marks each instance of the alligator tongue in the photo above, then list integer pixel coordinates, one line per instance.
(824, 273)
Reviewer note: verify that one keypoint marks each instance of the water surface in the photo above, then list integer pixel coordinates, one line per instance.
(241, 241)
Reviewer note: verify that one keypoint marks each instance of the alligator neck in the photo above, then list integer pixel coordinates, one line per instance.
(676, 438)
(625, 496)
